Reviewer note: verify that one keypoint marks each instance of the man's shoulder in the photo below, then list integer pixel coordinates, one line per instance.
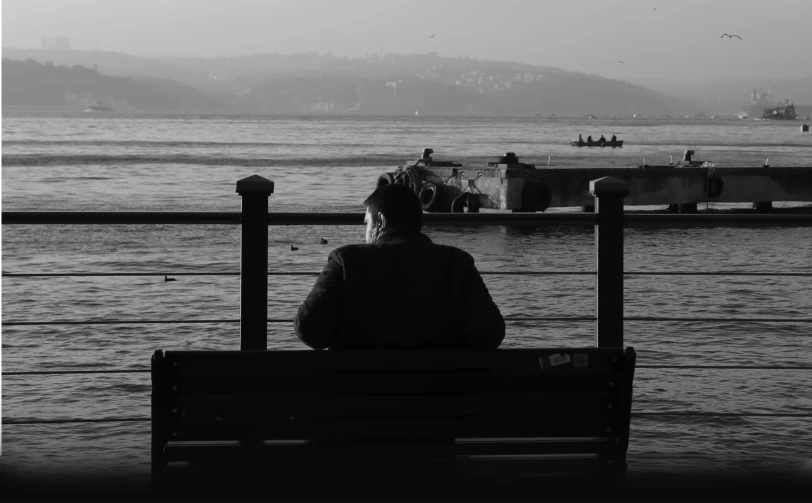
(365, 249)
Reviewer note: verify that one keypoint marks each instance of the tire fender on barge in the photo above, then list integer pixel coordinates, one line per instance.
(445, 186)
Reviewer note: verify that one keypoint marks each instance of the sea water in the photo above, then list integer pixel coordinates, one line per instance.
(330, 165)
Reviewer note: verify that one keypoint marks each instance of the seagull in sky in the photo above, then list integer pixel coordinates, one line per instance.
(432, 36)
(730, 36)
(621, 62)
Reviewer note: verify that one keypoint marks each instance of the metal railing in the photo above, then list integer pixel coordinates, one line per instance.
(609, 221)
(255, 219)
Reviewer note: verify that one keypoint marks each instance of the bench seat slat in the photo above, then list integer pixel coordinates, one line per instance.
(182, 452)
(388, 383)
(272, 473)
(260, 407)
(360, 428)
(513, 360)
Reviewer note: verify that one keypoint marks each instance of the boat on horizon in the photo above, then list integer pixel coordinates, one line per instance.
(784, 111)
(617, 143)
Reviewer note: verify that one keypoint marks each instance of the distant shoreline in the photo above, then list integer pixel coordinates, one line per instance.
(74, 111)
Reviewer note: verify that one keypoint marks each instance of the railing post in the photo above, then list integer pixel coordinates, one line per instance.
(609, 193)
(255, 191)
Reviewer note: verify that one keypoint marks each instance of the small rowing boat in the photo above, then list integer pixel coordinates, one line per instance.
(574, 143)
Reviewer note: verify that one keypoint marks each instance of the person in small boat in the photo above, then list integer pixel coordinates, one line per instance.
(580, 139)
(601, 139)
(361, 299)
(614, 138)
(589, 139)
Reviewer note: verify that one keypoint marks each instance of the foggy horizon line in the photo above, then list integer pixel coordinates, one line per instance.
(329, 52)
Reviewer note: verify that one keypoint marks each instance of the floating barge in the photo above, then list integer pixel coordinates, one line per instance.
(507, 184)
(784, 111)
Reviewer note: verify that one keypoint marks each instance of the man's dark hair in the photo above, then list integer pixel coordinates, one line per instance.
(399, 204)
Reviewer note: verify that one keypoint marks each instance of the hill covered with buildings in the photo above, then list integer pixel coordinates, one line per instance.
(424, 84)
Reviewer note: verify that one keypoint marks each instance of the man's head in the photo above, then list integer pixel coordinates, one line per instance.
(392, 207)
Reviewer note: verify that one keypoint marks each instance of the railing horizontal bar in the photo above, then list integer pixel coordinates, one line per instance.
(537, 273)
(114, 322)
(67, 421)
(553, 318)
(484, 273)
(218, 218)
(438, 218)
(507, 319)
(72, 372)
(135, 274)
(494, 218)
(11, 421)
(723, 367)
(120, 217)
(723, 414)
(297, 273)
(717, 273)
(719, 319)
(715, 219)
(315, 219)
(270, 320)
(667, 367)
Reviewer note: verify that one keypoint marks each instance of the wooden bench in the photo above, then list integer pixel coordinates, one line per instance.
(294, 421)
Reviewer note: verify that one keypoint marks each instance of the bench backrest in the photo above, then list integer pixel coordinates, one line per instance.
(570, 404)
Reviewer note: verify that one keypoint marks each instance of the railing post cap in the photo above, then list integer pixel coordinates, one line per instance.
(255, 184)
(609, 186)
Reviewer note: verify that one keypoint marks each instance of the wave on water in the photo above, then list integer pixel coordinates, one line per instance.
(638, 142)
(352, 160)
(177, 143)
(205, 160)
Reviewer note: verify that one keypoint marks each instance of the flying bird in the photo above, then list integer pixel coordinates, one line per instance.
(621, 62)
(432, 36)
(730, 36)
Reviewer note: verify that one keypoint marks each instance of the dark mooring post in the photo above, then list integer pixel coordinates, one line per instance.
(609, 193)
(255, 191)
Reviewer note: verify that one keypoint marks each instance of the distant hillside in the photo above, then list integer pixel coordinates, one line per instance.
(361, 96)
(409, 95)
(109, 63)
(424, 83)
(31, 83)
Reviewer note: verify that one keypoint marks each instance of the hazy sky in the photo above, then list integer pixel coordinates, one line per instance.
(654, 38)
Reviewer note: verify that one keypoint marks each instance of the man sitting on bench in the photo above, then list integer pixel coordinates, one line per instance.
(400, 290)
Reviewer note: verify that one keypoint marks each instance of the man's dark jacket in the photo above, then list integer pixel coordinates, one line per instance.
(402, 292)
